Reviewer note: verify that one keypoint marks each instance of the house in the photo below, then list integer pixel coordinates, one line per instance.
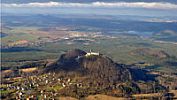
(63, 84)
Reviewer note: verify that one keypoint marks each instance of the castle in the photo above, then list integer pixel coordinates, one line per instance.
(92, 53)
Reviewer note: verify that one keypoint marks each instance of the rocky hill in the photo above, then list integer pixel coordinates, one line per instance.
(92, 66)
(95, 73)
(80, 74)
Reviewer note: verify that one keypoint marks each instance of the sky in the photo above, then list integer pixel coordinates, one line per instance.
(86, 1)
(113, 7)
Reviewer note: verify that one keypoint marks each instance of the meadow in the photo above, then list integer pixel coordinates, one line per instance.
(118, 48)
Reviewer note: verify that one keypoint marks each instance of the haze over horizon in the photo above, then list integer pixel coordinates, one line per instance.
(85, 1)
(113, 7)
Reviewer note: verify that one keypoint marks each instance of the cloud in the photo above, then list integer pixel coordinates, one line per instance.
(138, 5)
(152, 5)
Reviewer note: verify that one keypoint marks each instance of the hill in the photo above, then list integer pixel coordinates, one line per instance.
(166, 35)
(93, 66)
(80, 74)
(96, 73)
(150, 53)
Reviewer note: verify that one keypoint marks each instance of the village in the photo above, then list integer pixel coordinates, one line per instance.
(43, 86)
(51, 38)
(48, 86)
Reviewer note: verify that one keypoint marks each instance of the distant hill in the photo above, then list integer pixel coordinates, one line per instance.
(166, 35)
(150, 53)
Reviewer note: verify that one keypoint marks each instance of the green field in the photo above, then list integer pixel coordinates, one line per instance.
(119, 49)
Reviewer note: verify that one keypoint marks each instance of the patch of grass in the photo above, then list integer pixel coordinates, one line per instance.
(6, 92)
(54, 88)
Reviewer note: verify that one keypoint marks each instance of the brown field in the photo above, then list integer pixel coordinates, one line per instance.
(19, 42)
(174, 92)
(103, 97)
(147, 95)
(53, 34)
(17, 78)
(6, 71)
(28, 70)
(67, 98)
(94, 97)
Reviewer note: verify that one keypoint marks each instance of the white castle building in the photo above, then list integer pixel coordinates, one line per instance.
(92, 53)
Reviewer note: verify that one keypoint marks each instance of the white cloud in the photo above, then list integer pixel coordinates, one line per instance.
(153, 5)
